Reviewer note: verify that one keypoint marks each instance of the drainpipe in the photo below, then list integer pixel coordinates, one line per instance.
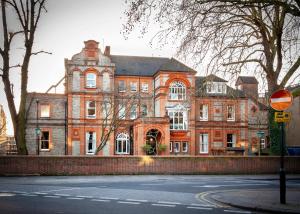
(66, 127)
(154, 97)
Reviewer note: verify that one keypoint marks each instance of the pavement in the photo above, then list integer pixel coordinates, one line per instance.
(263, 200)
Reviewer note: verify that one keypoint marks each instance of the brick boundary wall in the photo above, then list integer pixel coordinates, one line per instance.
(83, 165)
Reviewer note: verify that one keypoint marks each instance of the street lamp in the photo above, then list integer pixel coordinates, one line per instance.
(37, 129)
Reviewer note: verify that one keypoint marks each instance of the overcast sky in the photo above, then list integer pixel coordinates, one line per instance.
(62, 31)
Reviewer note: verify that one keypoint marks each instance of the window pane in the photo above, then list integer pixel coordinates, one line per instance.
(45, 110)
(90, 80)
(133, 86)
(122, 87)
(45, 140)
(144, 87)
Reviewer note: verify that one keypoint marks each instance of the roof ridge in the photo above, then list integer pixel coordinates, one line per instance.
(156, 57)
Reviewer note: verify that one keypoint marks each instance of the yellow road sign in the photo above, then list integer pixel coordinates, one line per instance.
(282, 117)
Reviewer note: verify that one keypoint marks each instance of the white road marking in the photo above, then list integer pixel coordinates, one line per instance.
(6, 194)
(108, 198)
(64, 195)
(29, 195)
(40, 193)
(51, 196)
(137, 200)
(100, 200)
(169, 202)
(56, 190)
(231, 185)
(202, 205)
(151, 184)
(164, 205)
(75, 198)
(83, 196)
(236, 211)
(200, 208)
(20, 192)
(128, 202)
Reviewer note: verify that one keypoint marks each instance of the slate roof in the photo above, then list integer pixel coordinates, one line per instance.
(201, 89)
(146, 66)
(247, 80)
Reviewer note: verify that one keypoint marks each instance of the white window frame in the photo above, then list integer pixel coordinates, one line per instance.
(122, 111)
(185, 149)
(232, 118)
(122, 138)
(171, 146)
(145, 87)
(106, 81)
(88, 107)
(43, 140)
(91, 141)
(177, 91)
(133, 86)
(203, 112)
(119, 86)
(45, 110)
(176, 147)
(133, 112)
(175, 117)
(90, 80)
(216, 88)
(203, 143)
(233, 142)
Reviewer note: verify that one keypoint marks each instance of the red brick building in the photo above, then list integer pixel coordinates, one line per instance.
(158, 106)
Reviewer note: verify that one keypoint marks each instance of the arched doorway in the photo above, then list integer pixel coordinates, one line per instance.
(153, 138)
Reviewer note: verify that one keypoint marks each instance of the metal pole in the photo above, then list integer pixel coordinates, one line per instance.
(282, 171)
(37, 127)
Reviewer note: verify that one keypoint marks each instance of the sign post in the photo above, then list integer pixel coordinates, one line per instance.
(280, 101)
(260, 135)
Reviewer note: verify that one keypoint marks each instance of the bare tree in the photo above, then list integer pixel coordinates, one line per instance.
(114, 108)
(260, 37)
(27, 13)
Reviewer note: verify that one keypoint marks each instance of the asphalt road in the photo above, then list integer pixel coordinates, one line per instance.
(124, 194)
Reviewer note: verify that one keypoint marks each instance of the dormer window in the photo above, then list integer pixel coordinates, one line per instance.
(91, 80)
(216, 88)
(177, 91)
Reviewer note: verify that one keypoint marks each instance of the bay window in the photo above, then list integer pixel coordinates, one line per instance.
(178, 119)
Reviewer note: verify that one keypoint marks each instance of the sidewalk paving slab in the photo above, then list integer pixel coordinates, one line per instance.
(265, 200)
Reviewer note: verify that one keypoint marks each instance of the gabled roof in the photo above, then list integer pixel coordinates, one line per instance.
(247, 79)
(146, 66)
(212, 78)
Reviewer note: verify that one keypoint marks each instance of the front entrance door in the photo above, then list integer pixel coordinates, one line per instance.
(153, 138)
